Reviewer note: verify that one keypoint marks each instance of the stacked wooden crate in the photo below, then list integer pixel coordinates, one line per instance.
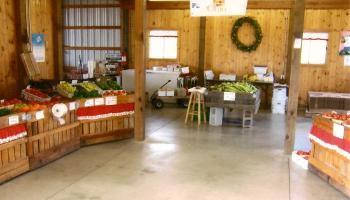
(49, 140)
(13, 152)
(109, 128)
(330, 152)
(320, 102)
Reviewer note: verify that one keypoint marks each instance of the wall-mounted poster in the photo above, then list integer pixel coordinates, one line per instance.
(345, 43)
(38, 47)
(218, 7)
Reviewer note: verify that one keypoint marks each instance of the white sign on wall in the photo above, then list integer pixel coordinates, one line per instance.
(218, 7)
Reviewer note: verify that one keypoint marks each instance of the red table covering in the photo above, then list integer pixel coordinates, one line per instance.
(328, 140)
(11, 133)
(98, 112)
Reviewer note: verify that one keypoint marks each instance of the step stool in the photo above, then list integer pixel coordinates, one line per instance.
(196, 98)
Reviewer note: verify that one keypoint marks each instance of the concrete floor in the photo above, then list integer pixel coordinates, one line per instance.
(180, 162)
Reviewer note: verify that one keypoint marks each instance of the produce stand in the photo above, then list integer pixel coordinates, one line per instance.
(105, 123)
(39, 128)
(319, 102)
(48, 140)
(245, 102)
(13, 155)
(330, 152)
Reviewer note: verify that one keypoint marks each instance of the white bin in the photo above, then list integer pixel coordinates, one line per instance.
(216, 115)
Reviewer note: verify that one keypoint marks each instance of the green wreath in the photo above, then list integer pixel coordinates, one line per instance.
(257, 33)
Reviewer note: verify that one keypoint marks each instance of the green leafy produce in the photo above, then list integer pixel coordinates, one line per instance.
(239, 87)
(114, 85)
(89, 86)
(81, 92)
(4, 112)
(103, 85)
(67, 87)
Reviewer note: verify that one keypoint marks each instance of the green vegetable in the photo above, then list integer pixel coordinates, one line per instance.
(114, 85)
(4, 112)
(239, 87)
(81, 92)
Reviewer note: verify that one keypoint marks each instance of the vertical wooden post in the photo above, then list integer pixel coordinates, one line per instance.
(297, 29)
(58, 36)
(140, 70)
(201, 58)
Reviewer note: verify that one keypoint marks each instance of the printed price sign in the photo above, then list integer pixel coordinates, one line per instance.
(72, 106)
(13, 120)
(74, 82)
(89, 103)
(99, 101)
(338, 130)
(112, 100)
(39, 115)
(229, 96)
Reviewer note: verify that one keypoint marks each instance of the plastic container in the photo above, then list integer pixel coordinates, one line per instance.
(216, 116)
(260, 69)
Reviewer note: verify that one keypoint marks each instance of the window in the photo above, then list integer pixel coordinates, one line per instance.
(314, 49)
(163, 44)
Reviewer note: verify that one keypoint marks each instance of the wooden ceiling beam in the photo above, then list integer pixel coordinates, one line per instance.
(252, 4)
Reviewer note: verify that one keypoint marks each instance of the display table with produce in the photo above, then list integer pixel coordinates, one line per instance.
(240, 96)
(330, 149)
(40, 128)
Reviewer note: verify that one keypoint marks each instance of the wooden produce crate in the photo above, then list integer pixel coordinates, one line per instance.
(13, 159)
(48, 140)
(106, 130)
(243, 101)
(329, 163)
(319, 102)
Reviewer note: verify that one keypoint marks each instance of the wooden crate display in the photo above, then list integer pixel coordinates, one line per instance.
(319, 102)
(48, 140)
(108, 129)
(105, 130)
(331, 165)
(13, 159)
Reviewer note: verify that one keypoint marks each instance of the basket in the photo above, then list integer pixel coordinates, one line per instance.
(64, 93)
(30, 97)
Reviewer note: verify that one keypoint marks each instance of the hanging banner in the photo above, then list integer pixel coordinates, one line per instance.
(38, 45)
(345, 43)
(218, 7)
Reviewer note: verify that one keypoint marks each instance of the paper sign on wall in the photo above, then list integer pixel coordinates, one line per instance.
(338, 131)
(38, 47)
(218, 7)
(229, 96)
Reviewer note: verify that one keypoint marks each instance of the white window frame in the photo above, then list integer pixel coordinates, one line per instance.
(150, 36)
(307, 48)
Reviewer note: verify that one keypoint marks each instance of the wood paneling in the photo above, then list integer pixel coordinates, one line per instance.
(252, 4)
(42, 21)
(333, 76)
(174, 20)
(222, 56)
(8, 48)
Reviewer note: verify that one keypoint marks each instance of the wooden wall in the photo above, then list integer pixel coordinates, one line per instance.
(223, 57)
(333, 76)
(41, 21)
(8, 48)
(188, 29)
